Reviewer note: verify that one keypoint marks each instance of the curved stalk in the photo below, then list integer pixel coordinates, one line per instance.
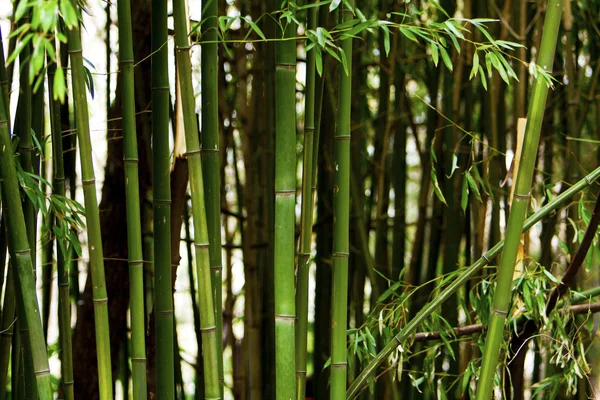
(502, 296)
(211, 166)
(21, 257)
(285, 194)
(134, 225)
(430, 307)
(341, 218)
(308, 164)
(163, 286)
(201, 241)
(88, 179)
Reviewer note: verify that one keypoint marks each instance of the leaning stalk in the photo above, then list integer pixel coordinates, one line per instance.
(201, 241)
(341, 218)
(502, 296)
(430, 307)
(307, 214)
(285, 194)
(21, 258)
(134, 225)
(211, 165)
(88, 180)
(163, 287)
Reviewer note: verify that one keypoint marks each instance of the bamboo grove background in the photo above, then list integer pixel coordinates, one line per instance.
(376, 199)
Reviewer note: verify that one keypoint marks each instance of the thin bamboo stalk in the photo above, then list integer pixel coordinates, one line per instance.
(341, 218)
(211, 167)
(134, 226)
(519, 206)
(64, 305)
(163, 286)
(6, 330)
(308, 165)
(88, 179)
(21, 255)
(201, 240)
(430, 307)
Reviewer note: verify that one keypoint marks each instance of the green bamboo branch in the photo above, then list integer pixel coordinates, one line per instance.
(519, 205)
(21, 258)
(430, 307)
(201, 238)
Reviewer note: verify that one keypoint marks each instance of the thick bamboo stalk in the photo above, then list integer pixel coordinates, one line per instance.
(64, 304)
(341, 218)
(285, 193)
(163, 287)
(308, 164)
(201, 241)
(211, 167)
(88, 179)
(134, 226)
(430, 307)
(21, 256)
(520, 204)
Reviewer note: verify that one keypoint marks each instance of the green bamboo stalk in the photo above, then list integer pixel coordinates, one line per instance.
(19, 245)
(88, 179)
(520, 204)
(4, 81)
(430, 307)
(6, 330)
(308, 165)
(341, 218)
(285, 194)
(201, 241)
(134, 225)
(163, 287)
(64, 305)
(211, 166)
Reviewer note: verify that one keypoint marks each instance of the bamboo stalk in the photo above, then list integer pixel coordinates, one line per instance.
(64, 305)
(163, 286)
(430, 307)
(201, 240)
(6, 330)
(21, 256)
(341, 218)
(134, 226)
(520, 204)
(308, 165)
(285, 193)
(88, 179)
(211, 167)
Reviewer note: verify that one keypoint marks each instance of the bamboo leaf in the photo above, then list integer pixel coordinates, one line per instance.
(475, 67)
(434, 54)
(255, 28)
(408, 33)
(473, 185)
(464, 199)
(446, 58)
(334, 4)
(436, 186)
